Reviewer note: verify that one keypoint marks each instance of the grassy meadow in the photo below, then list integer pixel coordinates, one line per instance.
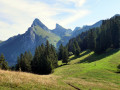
(86, 72)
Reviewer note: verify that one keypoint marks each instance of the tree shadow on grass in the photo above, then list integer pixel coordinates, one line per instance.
(63, 65)
(75, 57)
(96, 57)
(118, 72)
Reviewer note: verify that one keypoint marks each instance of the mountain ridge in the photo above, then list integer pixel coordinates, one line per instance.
(28, 41)
(37, 34)
(61, 31)
(85, 28)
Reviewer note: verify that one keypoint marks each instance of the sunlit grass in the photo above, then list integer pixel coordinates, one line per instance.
(87, 71)
(97, 71)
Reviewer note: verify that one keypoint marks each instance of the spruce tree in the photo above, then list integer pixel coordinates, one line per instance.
(91, 40)
(65, 56)
(54, 57)
(74, 48)
(36, 61)
(60, 54)
(77, 50)
(3, 63)
(18, 65)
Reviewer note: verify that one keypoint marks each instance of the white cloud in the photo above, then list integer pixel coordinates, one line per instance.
(7, 30)
(22, 13)
(78, 3)
(75, 16)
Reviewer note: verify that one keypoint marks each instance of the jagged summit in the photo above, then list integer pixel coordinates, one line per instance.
(77, 28)
(58, 26)
(37, 22)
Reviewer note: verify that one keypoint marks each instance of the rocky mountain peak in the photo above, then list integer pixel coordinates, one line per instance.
(58, 26)
(37, 22)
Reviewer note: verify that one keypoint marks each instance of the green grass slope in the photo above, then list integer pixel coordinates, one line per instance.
(91, 71)
(52, 38)
(86, 72)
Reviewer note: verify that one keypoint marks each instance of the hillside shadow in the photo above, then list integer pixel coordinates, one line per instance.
(75, 57)
(96, 57)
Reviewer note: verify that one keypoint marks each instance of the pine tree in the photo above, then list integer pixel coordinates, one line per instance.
(116, 34)
(24, 62)
(65, 56)
(3, 63)
(47, 47)
(60, 54)
(77, 50)
(54, 57)
(47, 68)
(35, 62)
(91, 40)
(74, 48)
(18, 66)
(45, 59)
(27, 61)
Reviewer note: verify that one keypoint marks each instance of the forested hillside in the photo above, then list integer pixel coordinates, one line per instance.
(101, 39)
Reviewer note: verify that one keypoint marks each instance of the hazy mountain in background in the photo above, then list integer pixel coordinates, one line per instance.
(60, 31)
(79, 30)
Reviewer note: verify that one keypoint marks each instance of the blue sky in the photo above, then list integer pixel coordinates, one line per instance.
(17, 15)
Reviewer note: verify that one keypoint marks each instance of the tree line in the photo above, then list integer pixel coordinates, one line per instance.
(99, 40)
(44, 61)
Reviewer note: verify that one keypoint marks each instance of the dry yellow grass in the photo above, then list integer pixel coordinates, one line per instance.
(20, 79)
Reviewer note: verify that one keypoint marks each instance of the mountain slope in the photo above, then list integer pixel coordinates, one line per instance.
(28, 41)
(60, 31)
(65, 39)
(37, 22)
(37, 34)
(51, 37)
